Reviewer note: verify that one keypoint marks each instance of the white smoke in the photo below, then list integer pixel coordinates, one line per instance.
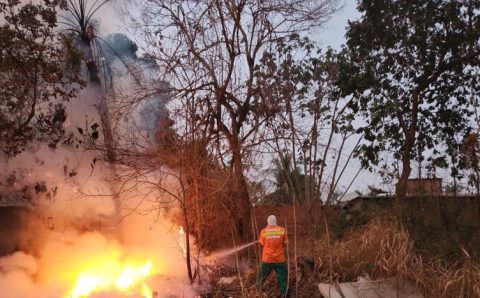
(16, 275)
(73, 217)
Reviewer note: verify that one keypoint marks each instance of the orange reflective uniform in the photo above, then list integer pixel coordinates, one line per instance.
(273, 239)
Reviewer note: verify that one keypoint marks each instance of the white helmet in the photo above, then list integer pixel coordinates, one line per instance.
(272, 220)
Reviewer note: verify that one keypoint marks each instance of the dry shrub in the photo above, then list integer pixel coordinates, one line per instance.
(454, 281)
(208, 193)
(384, 249)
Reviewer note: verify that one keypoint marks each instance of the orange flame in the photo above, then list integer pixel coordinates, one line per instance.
(111, 276)
(147, 292)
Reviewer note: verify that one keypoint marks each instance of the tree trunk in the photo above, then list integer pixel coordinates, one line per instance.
(241, 198)
(410, 134)
(187, 243)
(102, 108)
(401, 190)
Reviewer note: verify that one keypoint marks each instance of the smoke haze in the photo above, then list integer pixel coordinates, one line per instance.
(71, 221)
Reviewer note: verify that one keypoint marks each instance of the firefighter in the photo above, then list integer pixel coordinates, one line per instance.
(273, 238)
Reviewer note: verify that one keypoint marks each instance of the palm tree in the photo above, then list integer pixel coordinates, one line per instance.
(97, 54)
(288, 180)
(81, 30)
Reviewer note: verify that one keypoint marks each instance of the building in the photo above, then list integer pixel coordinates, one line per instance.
(424, 186)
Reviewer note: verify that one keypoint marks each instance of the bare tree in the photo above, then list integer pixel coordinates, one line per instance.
(183, 176)
(209, 51)
(311, 126)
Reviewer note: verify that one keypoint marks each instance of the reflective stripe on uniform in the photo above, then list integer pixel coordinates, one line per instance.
(274, 233)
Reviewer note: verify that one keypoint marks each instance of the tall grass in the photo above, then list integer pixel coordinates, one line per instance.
(382, 249)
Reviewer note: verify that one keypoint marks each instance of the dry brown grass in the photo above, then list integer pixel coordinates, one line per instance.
(383, 249)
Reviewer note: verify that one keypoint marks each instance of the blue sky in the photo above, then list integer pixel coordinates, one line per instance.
(333, 34)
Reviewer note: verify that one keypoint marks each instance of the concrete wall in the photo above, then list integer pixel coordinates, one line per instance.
(425, 186)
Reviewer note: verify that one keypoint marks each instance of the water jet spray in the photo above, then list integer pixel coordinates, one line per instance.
(226, 252)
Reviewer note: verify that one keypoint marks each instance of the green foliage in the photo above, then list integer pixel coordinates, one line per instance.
(289, 183)
(33, 84)
(411, 67)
